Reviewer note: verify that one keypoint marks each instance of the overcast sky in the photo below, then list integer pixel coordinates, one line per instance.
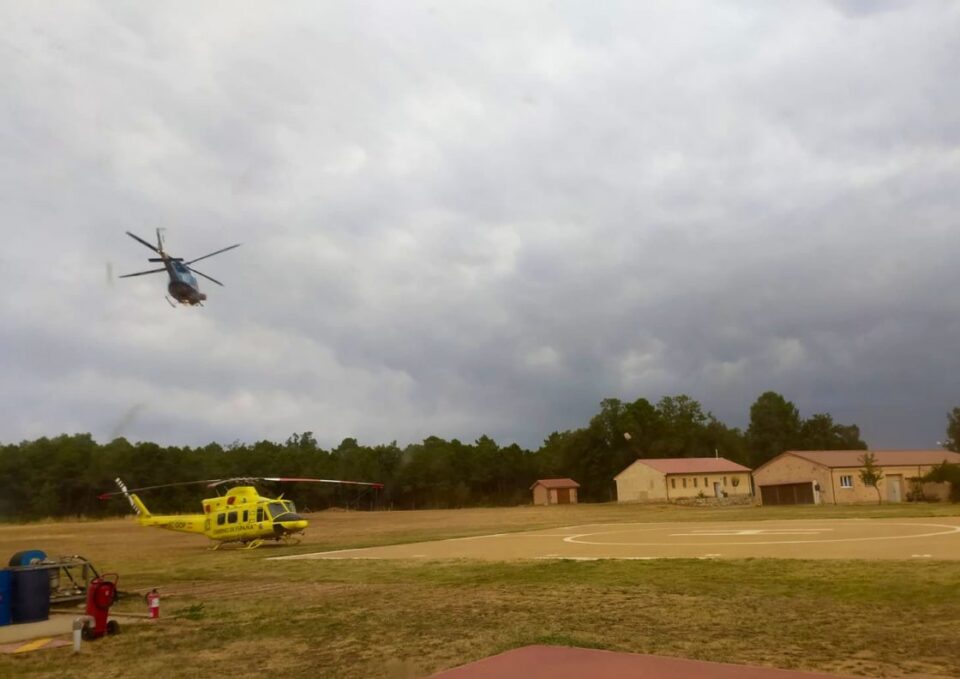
(477, 217)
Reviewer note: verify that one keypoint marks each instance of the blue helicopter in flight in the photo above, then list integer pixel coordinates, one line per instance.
(183, 284)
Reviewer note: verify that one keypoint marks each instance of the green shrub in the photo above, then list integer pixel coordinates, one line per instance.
(946, 472)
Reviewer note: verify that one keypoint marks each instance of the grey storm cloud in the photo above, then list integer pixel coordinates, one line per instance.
(466, 218)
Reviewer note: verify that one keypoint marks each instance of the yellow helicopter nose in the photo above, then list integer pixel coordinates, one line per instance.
(294, 526)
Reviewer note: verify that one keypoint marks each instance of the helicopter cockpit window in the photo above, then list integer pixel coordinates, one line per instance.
(282, 507)
(180, 267)
(259, 513)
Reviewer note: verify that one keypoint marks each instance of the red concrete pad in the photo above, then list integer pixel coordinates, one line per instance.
(560, 662)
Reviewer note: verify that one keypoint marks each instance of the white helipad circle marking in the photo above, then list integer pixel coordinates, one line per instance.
(752, 531)
(598, 558)
(578, 539)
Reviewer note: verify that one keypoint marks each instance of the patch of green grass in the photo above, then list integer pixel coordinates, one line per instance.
(193, 612)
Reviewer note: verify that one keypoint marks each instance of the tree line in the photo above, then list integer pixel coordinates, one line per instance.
(63, 476)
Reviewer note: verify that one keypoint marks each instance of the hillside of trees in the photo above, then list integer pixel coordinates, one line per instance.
(62, 476)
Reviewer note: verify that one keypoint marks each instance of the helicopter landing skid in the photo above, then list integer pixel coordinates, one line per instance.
(170, 302)
(253, 544)
(290, 540)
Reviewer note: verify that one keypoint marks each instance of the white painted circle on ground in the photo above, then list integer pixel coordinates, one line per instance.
(717, 531)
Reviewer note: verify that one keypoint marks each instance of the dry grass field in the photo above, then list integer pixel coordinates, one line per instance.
(231, 610)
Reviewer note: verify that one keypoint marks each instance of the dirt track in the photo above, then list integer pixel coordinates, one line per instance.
(931, 538)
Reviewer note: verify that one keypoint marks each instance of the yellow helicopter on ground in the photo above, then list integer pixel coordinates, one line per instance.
(239, 515)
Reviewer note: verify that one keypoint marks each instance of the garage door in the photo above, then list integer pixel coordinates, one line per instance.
(787, 494)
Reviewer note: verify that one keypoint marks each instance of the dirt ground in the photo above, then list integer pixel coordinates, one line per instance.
(120, 544)
(907, 538)
(837, 608)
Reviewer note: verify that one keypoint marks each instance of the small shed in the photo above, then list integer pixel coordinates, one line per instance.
(555, 492)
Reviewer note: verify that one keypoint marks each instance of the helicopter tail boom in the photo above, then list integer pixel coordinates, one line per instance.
(188, 523)
(139, 507)
(185, 523)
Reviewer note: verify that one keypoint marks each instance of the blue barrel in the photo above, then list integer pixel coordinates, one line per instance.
(31, 594)
(27, 557)
(6, 590)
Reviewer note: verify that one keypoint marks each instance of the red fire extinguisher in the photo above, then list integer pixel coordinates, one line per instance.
(101, 593)
(153, 602)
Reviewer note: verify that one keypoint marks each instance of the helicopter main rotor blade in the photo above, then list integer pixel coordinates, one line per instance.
(141, 273)
(288, 479)
(209, 278)
(215, 253)
(299, 480)
(139, 239)
(209, 482)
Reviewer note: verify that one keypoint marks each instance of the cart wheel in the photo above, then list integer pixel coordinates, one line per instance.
(113, 627)
(87, 633)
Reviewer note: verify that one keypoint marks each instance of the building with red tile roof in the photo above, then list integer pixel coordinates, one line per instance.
(555, 492)
(675, 478)
(833, 476)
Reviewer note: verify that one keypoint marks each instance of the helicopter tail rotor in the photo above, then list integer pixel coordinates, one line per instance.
(136, 503)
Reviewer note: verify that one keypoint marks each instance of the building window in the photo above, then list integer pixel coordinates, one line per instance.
(684, 483)
(694, 481)
(673, 483)
(724, 481)
(846, 481)
(705, 484)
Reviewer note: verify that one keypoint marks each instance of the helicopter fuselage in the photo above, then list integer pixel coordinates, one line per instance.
(241, 515)
(183, 285)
